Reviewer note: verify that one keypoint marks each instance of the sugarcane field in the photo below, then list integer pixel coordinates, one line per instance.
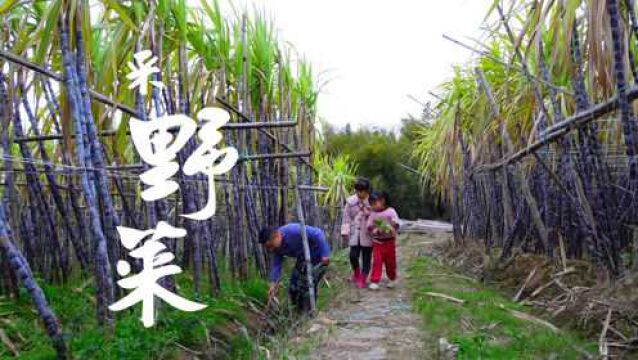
(322, 180)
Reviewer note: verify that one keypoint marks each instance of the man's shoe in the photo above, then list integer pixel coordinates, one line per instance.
(373, 286)
(391, 284)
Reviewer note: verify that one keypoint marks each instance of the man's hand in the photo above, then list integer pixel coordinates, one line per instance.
(325, 260)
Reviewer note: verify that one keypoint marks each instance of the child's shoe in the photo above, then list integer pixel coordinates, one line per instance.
(391, 284)
(356, 274)
(373, 286)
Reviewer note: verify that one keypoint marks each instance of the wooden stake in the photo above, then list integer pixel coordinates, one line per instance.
(306, 251)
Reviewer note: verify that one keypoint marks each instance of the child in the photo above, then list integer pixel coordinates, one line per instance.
(353, 230)
(383, 224)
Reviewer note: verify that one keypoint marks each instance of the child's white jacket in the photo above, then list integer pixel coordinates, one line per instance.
(354, 219)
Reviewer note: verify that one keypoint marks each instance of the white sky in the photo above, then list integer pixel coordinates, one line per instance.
(376, 52)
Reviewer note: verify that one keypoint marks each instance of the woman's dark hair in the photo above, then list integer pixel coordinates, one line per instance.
(266, 234)
(380, 195)
(362, 184)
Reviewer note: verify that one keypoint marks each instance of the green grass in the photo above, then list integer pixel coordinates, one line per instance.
(74, 304)
(76, 312)
(482, 327)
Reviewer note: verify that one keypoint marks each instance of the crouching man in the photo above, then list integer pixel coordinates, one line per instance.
(286, 241)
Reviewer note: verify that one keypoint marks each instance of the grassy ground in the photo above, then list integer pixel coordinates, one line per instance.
(483, 327)
(175, 332)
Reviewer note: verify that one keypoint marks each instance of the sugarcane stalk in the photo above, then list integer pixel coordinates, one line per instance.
(52, 103)
(529, 197)
(508, 208)
(567, 167)
(456, 211)
(283, 171)
(258, 254)
(634, 27)
(97, 153)
(594, 166)
(22, 271)
(213, 269)
(628, 120)
(80, 252)
(8, 196)
(473, 214)
(189, 191)
(630, 128)
(104, 284)
(36, 194)
(54, 108)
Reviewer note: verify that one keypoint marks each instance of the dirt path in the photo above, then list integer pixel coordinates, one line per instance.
(374, 325)
(481, 322)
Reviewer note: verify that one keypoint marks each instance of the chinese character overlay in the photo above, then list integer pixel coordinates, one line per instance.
(158, 142)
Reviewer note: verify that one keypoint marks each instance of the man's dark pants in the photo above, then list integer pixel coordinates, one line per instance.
(298, 288)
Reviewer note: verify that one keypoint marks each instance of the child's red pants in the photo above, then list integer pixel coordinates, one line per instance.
(384, 253)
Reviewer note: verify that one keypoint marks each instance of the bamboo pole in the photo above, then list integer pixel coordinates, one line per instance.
(110, 133)
(306, 251)
(221, 182)
(256, 157)
(556, 131)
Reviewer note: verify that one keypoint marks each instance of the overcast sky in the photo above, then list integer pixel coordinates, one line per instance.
(376, 52)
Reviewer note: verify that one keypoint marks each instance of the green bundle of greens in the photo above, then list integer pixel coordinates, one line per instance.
(383, 226)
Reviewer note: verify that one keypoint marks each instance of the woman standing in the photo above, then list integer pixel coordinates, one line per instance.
(353, 230)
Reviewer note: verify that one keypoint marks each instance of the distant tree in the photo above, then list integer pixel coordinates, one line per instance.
(384, 158)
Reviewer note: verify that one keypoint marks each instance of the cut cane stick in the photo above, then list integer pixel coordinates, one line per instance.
(445, 297)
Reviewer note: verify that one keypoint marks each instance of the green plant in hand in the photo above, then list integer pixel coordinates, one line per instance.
(383, 226)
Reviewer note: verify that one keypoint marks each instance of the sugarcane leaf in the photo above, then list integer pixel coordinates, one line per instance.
(6, 5)
(122, 13)
(50, 19)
